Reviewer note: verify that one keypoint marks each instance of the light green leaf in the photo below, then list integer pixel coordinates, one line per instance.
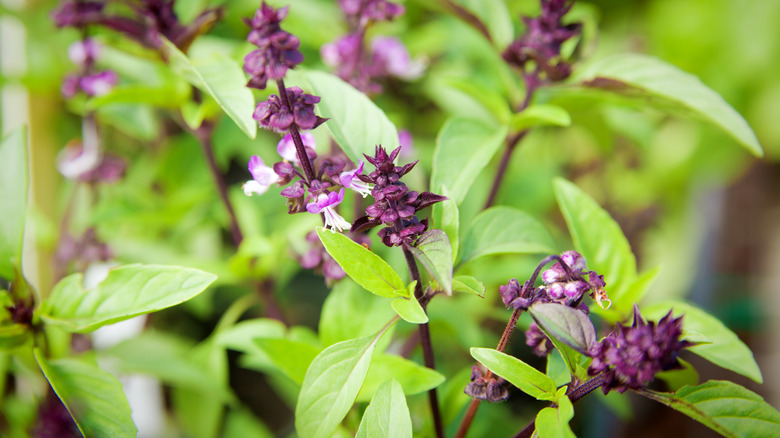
(463, 148)
(13, 202)
(641, 286)
(489, 98)
(558, 369)
(242, 335)
(725, 407)
(505, 230)
(569, 325)
(166, 96)
(356, 122)
(387, 416)
(497, 19)
(13, 336)
(222, 79)
(600, 240)
(349, 312)
(93, 397)
(362, 265)
(650, 78)
(525, 377)
(290, 357)
(554, 422)
(540, 115)
(410, 310)
(414, 378)
(128, 291)
(331, 385)
(468, 284)
(433, 250)
(446, 218)
(726, 349)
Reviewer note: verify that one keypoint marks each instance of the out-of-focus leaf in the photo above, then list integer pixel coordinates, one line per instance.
(13, 202)
(387, 416)
(243, 423)
(489, 98)
(128, 291)
(447, 218)
(414, 378)
(569, 325)
(504, 230)
(466, 283)
(525, 377)
(290, 357)
(199, 412)
(540, 115)
(496, 17)
(650, 78)
(94, 397)
(676, 379)
(349, 311)
(433, 250)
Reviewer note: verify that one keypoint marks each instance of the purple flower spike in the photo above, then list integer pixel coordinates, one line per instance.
(286, 147)
(366, 11)
(98, 83)
(84, 52)
(262, 177)
(277, 50)
(274, 115)
(350, 180)
(324, 204)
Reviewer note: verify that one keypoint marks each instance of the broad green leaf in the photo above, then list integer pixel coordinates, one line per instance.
(414, 378)
(410, 310)
(168, 96)
(569, 325)
(558, 370)
(676, 379)
(641, 286)
(447, 218)
(331, 385)
(505, 230)
(725, 407)
(433, 250)
(654, 80)
(362, 265)
(726, 349)
(222, 79)
(356, 122)
(466, 283)
(463, 148)
(599, 239)
(554, 422)
(93, 397)
(489, 98)
(242, 335)
(349, 312)
(13, 202)
(290, 357)
(525, 377)
(128, 291)
(387, 416)
(540, 115)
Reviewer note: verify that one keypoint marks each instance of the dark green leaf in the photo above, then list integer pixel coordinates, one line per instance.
(554, 422)
(466, 283)
(463, 148)
(13, 203)
(94, 397)
(362, 265)
(222, 79)
(569, 325)
(525, 377)
(128, 291)
(599, 239)
(540, 115)
(725, 407)
(331, 385)
(433, 250)
(388, 415)
(648, 77)
(504, 230)
(356, 122)
(725, 350)
(413, 378)
(410, 310)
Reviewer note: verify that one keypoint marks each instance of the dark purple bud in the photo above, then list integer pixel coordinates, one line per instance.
(485, 385)
(509, 291)
(574, 260)
(77, 13)
(573, 290)
(364, 223)
(536, 339)
(294, 191)
(426, 199)
(285, 171)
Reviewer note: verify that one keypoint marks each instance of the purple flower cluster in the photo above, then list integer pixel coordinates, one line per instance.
(276, 51)
(82, 250)
(394, 204)
(630, 357)
(83, 54)
(485, 385)
(362, 12)
(274, 115)
(540, 46)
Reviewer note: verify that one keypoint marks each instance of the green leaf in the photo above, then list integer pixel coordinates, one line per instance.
(331, 385)
(13, 336)
(243, 423)
(641, 286)
(414, 378)
(725, 407)
(446, 218)
(554, 422)
(570, 326)
(222, 79)
(433, 250)
(599, 239)
(676, 379)
(726, 349)
(525, 377)
(168, 96)
(505, 230)
(463, 148)
(540, 115)
(93, 397)
(493, 101)
(387, 416)
(290, 357)
(570, 357)
(410, 310)
(650, 78)
(13, 203)
(558, 369)
(128, 291)
(241, 336)
(468, 284)
(349, 312)
(362, 265)
(497, 19)
(200, 413)
(356, 122)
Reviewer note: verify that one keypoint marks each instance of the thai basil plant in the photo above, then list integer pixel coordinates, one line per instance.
(405, 247)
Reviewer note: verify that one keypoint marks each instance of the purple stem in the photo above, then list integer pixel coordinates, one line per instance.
(300, 150)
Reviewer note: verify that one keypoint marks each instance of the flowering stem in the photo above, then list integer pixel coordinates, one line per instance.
(300, 150)
(425, 341)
